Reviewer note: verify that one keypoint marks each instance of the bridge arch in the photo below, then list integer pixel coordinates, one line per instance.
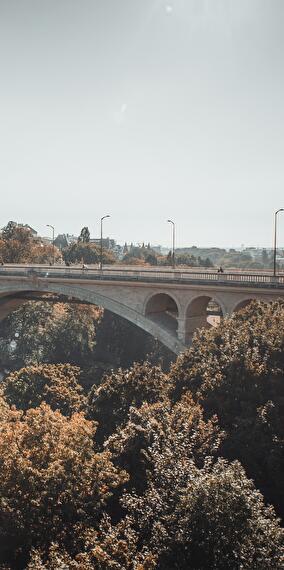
(197, 313)
(242, 304)
(9, 302)
(163, 308)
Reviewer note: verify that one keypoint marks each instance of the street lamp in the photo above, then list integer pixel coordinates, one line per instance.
(174, 236)
(101, 256)
(275, 239)
(53, 251)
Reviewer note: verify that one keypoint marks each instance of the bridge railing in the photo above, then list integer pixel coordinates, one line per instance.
(145, 274)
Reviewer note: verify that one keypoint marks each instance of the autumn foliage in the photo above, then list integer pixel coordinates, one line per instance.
(51, 478)
(56, 385)
(18, 245)
(149, 471)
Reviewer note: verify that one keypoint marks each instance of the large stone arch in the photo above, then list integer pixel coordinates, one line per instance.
(9, 296)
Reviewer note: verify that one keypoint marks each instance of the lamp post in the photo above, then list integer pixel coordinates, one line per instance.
(174, 237)
(275, 240)
(101, 256)
(53, 251)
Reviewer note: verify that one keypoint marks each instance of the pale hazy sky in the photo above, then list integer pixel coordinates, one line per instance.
(144, 109)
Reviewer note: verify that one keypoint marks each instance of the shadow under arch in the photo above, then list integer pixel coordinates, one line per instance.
(10, 300)
(203, 311)
(242, 304)
(162, 308)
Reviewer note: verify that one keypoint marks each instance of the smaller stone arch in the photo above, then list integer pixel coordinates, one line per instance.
(162, 309)
(242, 304)
(203, 311)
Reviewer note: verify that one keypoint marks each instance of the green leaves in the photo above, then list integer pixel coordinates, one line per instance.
(51, 333)
(109, 403)
(237, 373)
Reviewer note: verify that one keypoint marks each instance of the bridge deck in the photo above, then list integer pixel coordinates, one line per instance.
(146, 275)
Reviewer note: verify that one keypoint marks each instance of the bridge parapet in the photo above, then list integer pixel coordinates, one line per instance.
(176, 276)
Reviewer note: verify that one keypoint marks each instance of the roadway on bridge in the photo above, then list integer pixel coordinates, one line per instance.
(146, 274)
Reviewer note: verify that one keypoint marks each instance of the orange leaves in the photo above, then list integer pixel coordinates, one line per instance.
(50, 474)
(55, 384)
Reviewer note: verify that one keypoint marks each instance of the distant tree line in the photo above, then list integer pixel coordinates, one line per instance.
(231, 258)
(140, 255)
(19, 245)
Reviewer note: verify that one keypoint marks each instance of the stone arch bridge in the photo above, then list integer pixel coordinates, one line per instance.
(170, 305)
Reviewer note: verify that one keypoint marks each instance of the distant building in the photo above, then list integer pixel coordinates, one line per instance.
(107, 243)
(24, 226)
(160, 249)
(97, 241)
(157, 249)
(71, 238)
(27, 227)
(280, 260)
(61, 241)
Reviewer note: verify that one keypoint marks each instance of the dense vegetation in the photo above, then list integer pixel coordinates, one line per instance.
(246, 259)
(236, 372)
(140, 255)
(147, 469)
(86, 252)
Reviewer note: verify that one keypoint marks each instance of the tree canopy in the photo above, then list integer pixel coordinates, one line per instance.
(86, 252)
(43, 332)
(152, 470)
(84, 236)
(121, 390)
(236, 372)
(18, 245)
(51, 479)
(55, 384)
